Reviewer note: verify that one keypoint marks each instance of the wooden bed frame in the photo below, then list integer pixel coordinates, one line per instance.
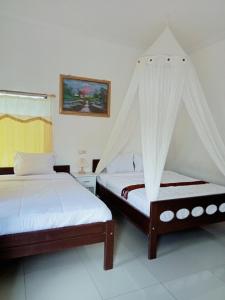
(43, 241)
(152, 225)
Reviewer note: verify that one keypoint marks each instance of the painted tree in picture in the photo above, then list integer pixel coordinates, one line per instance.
(85, 96)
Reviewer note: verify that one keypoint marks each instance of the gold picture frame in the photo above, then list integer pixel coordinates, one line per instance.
(84, 96)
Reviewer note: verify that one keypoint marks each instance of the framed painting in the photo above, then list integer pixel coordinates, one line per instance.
(84, 96)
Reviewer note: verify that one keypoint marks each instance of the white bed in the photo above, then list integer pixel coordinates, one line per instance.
(38, 202)
(118, 181)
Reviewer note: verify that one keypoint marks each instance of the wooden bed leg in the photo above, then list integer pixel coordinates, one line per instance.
(109, 245)
(153, 233)
(152, 243)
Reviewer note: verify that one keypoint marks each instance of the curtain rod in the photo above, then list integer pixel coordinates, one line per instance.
(19, 93)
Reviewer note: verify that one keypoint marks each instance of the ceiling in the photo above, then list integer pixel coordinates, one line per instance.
(135, 23)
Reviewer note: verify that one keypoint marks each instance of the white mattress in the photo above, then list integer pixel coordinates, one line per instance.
(137, 198)
(37, 202)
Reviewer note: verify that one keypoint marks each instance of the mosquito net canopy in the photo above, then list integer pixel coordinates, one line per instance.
(163, 78)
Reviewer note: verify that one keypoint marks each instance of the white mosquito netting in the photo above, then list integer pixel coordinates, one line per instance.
(163, 77)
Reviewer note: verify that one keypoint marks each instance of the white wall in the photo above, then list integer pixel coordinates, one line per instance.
(187, 153)
(33, 55)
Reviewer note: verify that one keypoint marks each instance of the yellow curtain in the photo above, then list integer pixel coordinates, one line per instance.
(24, 135)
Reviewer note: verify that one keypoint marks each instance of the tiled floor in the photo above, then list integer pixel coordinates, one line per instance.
(190, 266)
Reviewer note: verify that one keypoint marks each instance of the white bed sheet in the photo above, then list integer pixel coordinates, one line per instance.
(37, 202)
(137, 198)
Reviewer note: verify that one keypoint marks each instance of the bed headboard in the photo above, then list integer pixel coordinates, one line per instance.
(95, 164)
(59, 168)
(62, 168)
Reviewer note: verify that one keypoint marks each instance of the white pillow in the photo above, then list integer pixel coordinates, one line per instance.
(121, 164)
(138, 162)
(33, 163)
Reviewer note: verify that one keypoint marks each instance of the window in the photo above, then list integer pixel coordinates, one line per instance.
(25, 126)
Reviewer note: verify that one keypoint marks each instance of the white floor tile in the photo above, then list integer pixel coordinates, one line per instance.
(190, 265)
(218, 230)
(71, 282)
(95, 253)
(50, 260)
(127, 276)
(219, 272)
(199, 286)
(132, 238)
(192, 252)
(155, 292)
(12, 282)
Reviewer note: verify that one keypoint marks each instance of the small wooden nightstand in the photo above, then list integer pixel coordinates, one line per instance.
(88, 180)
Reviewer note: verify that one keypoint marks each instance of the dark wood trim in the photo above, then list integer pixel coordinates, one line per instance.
(153, 226)
(44, 241)
(95, 164)
(62, 168)
(109, 245)
(6, 171)
(58, 168)
(189, 203)
(122, 206)
(49, 240)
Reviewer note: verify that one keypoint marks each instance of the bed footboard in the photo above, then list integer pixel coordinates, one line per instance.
(183, 214)
(49, 240)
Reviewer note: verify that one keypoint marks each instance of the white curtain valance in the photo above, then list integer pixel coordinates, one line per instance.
(25, 106)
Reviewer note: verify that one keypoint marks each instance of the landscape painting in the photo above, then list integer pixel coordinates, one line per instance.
(84, 96)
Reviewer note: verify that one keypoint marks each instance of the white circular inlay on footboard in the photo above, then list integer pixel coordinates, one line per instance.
(197, 211)
(182, 213)
(222, 207)
(167, 216)
(211, 209)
